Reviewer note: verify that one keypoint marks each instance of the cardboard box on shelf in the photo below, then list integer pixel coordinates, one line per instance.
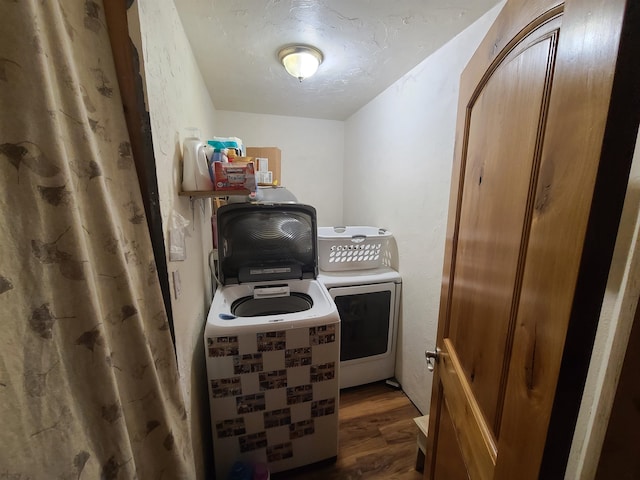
(236, 175)
(272, 164)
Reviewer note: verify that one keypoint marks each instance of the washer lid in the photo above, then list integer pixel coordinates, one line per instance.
(272, 241)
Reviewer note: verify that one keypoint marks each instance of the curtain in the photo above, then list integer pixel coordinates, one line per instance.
(88, 377)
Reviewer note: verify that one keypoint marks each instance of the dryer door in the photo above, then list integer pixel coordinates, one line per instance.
(366, 320)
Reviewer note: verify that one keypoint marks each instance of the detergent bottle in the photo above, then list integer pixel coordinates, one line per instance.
(195, 165)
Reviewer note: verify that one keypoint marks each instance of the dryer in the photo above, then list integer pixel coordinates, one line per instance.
(355, 266)
(272, 341)
(368, 302)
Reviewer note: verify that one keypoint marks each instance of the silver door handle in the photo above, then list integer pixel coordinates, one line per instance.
(432, 358)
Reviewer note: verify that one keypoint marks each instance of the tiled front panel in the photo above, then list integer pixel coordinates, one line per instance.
(274, 396)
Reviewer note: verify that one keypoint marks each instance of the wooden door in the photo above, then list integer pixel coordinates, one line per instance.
(546, 128)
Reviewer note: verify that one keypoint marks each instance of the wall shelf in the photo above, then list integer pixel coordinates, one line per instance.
(212, 193)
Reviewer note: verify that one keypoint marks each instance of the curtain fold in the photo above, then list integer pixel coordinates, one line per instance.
(88, 377)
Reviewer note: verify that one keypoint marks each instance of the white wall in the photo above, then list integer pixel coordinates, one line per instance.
(616, 320)
(312, 155)
(397, 171)
(178, 99)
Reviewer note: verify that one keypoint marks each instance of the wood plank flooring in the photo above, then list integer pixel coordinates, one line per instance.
(377, 438)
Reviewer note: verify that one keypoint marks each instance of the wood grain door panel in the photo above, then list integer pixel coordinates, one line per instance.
(499, 175)
(475, 439)
(532, 220)
(450, 466)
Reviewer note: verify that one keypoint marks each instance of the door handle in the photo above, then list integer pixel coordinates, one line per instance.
(432, 357)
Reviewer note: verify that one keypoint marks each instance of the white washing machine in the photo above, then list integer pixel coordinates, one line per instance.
(354, 266)
(272, 342)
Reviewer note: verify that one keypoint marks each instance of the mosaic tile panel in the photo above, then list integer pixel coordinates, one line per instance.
(322, 334)
(323, 407)
(226, 387)
(299, 394)
(248, 363)
(263, 403)
(250, 403)
(300, 429)
(222, 346)
(269, 341)
(277, 418)
(230, 428)
(297, 357)
(253, 441)
(274, 379)
(279, 452)
(320, 373)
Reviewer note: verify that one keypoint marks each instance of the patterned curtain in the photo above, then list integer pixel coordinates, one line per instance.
(88, 377)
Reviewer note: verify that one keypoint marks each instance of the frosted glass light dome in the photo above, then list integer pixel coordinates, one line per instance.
(300, 61)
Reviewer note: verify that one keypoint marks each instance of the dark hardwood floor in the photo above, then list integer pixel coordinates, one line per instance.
(377, 438)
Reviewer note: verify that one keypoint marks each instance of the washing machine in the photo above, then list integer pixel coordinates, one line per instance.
(272, 341)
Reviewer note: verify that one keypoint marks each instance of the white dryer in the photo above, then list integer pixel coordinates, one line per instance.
(355, 267)
(272, 342)
(368, 302)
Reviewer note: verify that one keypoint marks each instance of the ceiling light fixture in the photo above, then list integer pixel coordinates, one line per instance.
(301, 61)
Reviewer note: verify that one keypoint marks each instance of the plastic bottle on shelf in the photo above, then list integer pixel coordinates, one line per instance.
(195, 166)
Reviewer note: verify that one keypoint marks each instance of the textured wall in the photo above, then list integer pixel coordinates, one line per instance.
(178, 99)
(397, 171)
(312, 155)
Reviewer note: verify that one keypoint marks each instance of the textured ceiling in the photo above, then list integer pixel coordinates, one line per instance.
(367, 45)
